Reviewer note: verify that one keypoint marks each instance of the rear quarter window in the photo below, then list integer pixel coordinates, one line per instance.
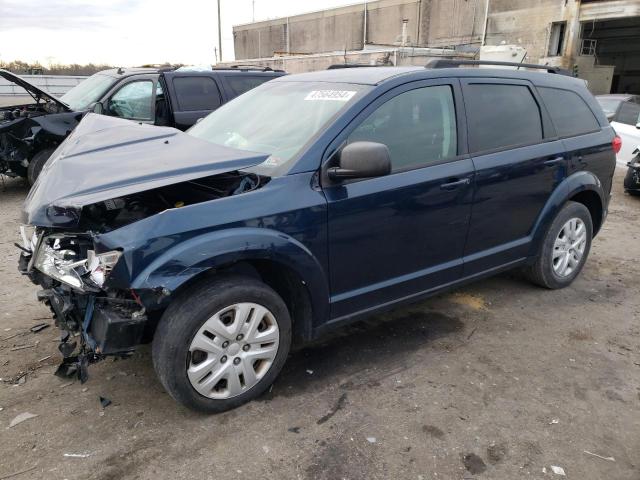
(501, 116)
(243, 83)
(629, 113)
(569, 112)
(196, 93)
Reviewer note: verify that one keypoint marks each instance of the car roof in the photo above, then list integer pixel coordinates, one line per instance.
(122, 72)
(361, 75)
(377, 75)
(623, 97)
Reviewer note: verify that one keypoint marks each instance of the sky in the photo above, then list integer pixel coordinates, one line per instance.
(132, 32)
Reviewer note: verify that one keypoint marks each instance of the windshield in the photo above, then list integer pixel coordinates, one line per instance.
(277, 118)
(609, 105)
(88, 91)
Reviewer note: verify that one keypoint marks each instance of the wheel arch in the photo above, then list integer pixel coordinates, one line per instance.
(278, 260)
(582, 187)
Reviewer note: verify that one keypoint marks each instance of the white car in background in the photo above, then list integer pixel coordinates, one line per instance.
(623, 111)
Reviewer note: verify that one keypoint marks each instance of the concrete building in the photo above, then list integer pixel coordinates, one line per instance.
(601, 38)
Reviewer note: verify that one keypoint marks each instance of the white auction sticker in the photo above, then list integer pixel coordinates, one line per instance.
(338, 95)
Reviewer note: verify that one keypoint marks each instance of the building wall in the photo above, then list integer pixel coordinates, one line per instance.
(328, 31)
(528, 23)
(452, 22)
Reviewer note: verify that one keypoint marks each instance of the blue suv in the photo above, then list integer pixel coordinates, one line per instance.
(307, 203)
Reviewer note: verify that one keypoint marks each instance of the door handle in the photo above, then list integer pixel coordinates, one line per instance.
(554, 161)
(455, 184)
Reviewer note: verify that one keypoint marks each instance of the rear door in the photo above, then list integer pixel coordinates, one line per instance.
(519, 161)
(396, 236)
(192, 96)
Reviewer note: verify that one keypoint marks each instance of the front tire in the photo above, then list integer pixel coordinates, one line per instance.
(565, 248)
(36, 164)
(222, 344)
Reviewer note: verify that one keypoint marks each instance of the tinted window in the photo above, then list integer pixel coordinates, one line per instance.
(569, 113)
(629, 113)
(609, 105)
(196, 93)
(418, 127)
(501, 116)
(133, 101)
(241, 84)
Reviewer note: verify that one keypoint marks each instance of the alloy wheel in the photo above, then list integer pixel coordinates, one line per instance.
(569, 246)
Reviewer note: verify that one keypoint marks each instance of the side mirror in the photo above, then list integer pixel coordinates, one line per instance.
(98, 107)
(638, 125)
(362, 160)
(610, 116)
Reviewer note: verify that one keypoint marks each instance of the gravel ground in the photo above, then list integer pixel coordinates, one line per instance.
(499, 380)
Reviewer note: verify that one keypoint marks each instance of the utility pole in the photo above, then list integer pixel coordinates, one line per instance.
(253, 10)
(484, 27)
(219, 32)
(364, 27)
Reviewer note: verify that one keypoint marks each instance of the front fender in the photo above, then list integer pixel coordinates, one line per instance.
(577, 182)
(219, 248)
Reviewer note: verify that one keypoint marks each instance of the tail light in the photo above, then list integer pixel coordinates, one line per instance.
(616, 144)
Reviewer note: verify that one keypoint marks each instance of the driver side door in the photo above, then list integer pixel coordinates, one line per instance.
(133, 99)
(397, 236)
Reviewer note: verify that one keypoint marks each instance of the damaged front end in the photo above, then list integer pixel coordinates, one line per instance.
(98, 182)
(94, 321)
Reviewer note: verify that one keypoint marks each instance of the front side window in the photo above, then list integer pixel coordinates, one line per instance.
(277, 118)
(629, 113)
(501, 116)
(196, 93)
(569, 113)
(133, 101)
(418, 127)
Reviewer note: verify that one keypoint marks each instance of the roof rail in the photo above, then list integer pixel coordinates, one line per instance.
(452, 63)
(351, 65)
(256, 68)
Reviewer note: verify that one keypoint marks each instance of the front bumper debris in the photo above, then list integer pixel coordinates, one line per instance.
(93, 324)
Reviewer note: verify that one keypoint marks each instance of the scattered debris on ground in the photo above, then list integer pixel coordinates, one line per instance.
(23, 417)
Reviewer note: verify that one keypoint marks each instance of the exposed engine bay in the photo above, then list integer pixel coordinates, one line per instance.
(117, 212)
(28, 128)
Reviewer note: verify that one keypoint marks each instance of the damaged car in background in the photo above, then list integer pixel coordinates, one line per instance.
(29, 133)
(304, 204)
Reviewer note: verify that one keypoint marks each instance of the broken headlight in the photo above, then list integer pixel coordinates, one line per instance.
(61, 264)
(100, 265)
(61, 258)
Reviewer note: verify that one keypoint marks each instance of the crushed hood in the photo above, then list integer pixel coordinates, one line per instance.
(37, 91)
(106, 158)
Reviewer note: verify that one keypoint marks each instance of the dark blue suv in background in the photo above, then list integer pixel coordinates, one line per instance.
(307, 203)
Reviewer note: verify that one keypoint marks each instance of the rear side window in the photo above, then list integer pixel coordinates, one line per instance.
(244, 83)
(196, 93)
(629, 113)
(569, 113)
(501, 116)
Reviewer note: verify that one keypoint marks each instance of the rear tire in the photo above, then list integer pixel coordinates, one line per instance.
(222, 343)
(36, 164)
(565, 248)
